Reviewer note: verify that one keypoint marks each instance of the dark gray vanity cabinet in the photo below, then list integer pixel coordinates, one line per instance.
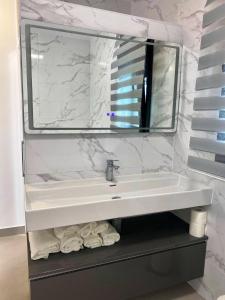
(154, 253)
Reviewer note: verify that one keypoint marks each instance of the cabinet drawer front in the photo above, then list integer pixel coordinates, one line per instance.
(124, 279)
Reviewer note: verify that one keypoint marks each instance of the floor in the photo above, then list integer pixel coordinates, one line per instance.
(14, 283)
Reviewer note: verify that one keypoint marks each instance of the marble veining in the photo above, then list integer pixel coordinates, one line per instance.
(60, 157)
(70, 79)
(186, 13)
(60, 78)
(86, 157)
(122, 6)
(163, 80)
(67, 113)
(101, 58)
(64, 13)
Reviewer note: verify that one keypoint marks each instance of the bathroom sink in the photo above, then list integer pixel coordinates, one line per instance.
(69, 202)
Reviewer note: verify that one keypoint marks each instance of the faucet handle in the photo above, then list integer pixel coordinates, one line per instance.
(115, 160)
(116, 167)
(111, 161)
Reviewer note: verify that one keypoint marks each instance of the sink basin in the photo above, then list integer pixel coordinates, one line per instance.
(69, 202)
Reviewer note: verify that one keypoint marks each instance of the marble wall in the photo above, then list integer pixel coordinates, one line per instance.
(122, 6)
(58, 156)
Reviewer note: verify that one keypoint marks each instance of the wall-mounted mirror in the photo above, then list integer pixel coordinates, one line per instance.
(77, 80)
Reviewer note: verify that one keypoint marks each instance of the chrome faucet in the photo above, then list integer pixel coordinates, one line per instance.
(109, 174)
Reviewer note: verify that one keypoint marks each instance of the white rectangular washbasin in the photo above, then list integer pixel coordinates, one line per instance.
(69, 202)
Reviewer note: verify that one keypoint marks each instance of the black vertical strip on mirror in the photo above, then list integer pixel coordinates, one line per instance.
(29, 77)
(147, 88)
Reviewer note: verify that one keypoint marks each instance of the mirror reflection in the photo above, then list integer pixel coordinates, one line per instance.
(80, 80)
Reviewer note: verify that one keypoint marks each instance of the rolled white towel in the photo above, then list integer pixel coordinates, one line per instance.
(86, 229)
(110, 236)
(42, 243)
(100, 227)
(93, 241)
(62, 232)
(72, 242)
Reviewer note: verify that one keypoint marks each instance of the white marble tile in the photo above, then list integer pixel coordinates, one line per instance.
(63, 13)
(189, 70)
(122, 6)
(186, 13)
(157, 153)
(181, 144)
(86, 155)
(185, 112)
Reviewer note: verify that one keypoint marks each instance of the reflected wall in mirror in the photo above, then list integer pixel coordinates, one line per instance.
(77, 80)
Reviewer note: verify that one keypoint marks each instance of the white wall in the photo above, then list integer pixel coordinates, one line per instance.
(11, 188)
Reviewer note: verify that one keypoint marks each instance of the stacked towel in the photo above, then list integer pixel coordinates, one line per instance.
(71, 243)
(93, 241)
(86, 229)
(110, 236)
(42, 243)
(69, 237)
(61, 232)
(101, 226)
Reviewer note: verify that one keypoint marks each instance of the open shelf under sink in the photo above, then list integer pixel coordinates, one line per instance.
(139, 236)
